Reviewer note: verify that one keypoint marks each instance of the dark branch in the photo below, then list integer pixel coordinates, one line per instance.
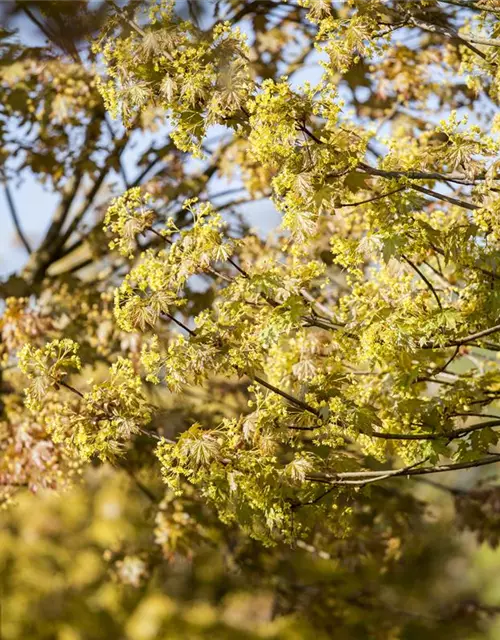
(15, 218)
(425, 279)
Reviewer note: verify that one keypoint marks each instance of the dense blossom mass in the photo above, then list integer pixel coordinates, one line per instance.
(280, 400)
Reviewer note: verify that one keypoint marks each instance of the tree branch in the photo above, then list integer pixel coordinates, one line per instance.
(425, 279)
(444, 367)
(121, 13)
(261, 381)
(15, 218)
(364, 477)
(368, 200)
(450, 199)
(116, 152)
(469, 4)
(449, 33)
(287, 396)
(465, 340)
(476, 336)
(123, 173)
(458, 178)
(450, 435)
(42, 257)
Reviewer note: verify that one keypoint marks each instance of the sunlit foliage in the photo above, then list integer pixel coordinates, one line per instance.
(272, 395)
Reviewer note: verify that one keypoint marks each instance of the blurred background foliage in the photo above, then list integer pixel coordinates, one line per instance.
(79, 566)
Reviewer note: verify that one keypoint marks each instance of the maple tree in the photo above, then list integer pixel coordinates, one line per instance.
(284, 402)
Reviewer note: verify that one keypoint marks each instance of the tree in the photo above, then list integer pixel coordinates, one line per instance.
(283, 402)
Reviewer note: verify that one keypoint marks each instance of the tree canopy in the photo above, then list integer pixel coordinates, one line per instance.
(231, 426)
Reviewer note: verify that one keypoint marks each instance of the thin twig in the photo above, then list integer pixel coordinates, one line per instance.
(261, 381)
(70, 388)
(123, 173)
(140, 485)
(445, 366)
(287, 396)
(425, 279)
(126, 19)
(374, 199)
(15, 218)
(469, 4)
